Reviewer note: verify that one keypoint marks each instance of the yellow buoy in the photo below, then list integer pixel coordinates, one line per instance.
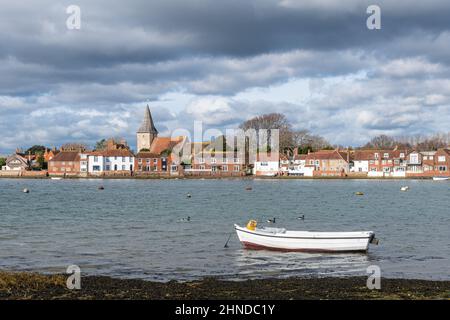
(251, 225)
(359, 193)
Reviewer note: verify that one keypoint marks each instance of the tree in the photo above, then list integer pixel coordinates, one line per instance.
(305, 141)
(381, 142)
(36, 149)
(41, 162)
(2, 162)
(269, 122)
(100, 145)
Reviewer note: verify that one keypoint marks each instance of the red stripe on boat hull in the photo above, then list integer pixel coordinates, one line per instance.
(253, 246)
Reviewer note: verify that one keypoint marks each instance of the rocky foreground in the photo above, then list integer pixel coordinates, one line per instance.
(19, 285)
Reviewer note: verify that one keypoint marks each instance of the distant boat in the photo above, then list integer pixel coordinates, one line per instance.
(405, 188)
(441, 178)
(56, 178)
(279, 239)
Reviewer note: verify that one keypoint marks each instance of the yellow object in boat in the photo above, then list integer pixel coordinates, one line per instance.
(251, 225)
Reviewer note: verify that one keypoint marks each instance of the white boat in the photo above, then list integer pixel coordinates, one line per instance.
(441, 178)
(405, 188)
(280, 239)
(56, 178)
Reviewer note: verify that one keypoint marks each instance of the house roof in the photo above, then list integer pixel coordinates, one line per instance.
(147, 125)
(160, 144)
(66, 156)
(111, 153)
(299, 157)
(268, 157)
(327, 155)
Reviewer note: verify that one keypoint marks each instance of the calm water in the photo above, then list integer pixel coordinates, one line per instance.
(131, 228)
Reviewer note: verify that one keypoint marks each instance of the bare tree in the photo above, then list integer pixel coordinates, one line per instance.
(305, 141)
(269, 122)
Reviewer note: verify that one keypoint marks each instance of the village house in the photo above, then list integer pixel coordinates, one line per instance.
(267, 164)
(116, 159)
(16, 162)
(361, 158)
(50, 154)
(157, 155)
(428, 163)
(329, 162)
(298, 166)
(65, 163)
(389, 162)
(218, 158)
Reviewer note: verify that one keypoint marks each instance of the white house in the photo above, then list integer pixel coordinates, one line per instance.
(267, 165)
(109, 161)
(361, 160)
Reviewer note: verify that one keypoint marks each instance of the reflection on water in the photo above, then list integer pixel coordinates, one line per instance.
(135, 228)
(297, 263)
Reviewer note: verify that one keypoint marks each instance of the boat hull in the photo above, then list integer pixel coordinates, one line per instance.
(441, 178)
(304, 241)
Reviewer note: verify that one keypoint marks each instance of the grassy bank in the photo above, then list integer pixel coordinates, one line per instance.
(35, 286)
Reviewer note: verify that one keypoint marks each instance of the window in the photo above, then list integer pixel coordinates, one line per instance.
(224, 168)
(213, 160)
(402, 155)
(95, 159)
(376, 155)
(155, 161)
(123, 167)
(213, 168)
(139, 160)
(372, 161)
(442, 168)
(225, 160)
(155, 168)
(174, 168)
(148, 161)
(236, 168)
(441, 158)
(107, 168)
(264, 164)
(386, 155)
(236, 160)
(96, 168)
(123, 159)
(115, 158)
(202, 167)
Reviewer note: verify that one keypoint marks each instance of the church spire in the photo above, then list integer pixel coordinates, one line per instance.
(147, 125)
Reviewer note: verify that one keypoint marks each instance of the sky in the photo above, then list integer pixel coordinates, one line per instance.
(221, 62)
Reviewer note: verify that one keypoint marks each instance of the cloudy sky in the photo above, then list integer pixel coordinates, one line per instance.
(221, 62)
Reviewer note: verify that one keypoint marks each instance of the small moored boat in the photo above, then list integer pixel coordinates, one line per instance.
(56, 178)
(441, 178)
(280, 239)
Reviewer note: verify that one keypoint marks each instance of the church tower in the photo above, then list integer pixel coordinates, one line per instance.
(147, 132)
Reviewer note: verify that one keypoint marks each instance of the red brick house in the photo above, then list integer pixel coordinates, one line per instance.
(329, 162)
(65, 163)
(160, 159)
(388, 162)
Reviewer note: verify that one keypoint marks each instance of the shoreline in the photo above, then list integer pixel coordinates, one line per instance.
(34, 286)
(250, 177)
